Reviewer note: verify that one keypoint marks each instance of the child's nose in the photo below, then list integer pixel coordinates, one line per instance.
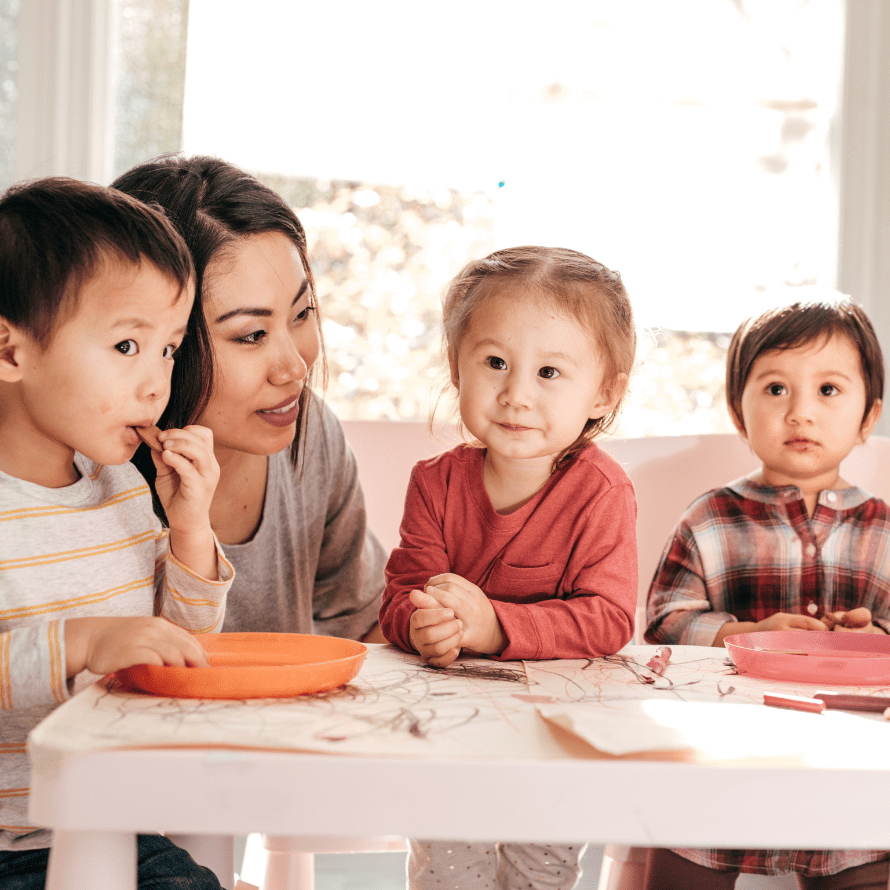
(156, 384)
(515, 391)
(800, 409)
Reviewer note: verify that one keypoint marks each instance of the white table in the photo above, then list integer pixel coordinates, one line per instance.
(98, 800)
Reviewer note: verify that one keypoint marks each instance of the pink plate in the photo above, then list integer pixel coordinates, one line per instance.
(838, 659)
(255, 665)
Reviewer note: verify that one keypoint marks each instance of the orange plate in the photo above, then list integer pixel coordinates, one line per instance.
(836, 658)
(255, 665)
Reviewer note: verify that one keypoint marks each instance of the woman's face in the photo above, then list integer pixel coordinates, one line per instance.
(265, 336)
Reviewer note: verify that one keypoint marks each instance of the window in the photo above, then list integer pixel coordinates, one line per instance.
(149, 67)
(685, 143)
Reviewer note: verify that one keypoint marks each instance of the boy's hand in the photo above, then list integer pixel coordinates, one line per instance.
(787, 621)
(853, 621)
(481, 629)
(104, 645)
(434, 632)
(187, 476)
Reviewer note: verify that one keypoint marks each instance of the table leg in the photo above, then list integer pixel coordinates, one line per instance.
(287, 869)
(100, 860)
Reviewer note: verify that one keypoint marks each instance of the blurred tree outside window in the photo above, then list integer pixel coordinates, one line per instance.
(685, 143)
(149, 78)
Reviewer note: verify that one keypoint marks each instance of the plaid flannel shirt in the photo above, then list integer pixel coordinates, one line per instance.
(746, 551)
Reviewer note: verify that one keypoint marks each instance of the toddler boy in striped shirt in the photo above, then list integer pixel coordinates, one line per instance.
(96, 291)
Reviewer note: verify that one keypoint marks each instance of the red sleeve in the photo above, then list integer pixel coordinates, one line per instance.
(596, 617)
(420, 555)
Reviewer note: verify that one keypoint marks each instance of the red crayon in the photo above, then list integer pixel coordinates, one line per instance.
(794, 702)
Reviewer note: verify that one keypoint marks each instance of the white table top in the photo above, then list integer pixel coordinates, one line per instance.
(503, 773)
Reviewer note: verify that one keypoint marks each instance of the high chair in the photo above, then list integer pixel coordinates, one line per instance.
(668, 472)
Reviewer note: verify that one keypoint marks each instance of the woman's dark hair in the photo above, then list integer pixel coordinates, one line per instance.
(212, 204)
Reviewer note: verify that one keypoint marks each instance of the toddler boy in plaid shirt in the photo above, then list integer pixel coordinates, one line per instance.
(791, 546)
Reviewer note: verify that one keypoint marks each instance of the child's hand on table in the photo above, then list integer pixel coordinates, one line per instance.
(434, 631)
(854, 621)
(104, 645)
(787, 621)
(481, 630)
(776, 621)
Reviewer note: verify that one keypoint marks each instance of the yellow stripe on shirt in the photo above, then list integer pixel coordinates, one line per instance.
(176, 595)
(5, 689)
(67, 555)
(40, 512)
(55, 666)
(72, 603)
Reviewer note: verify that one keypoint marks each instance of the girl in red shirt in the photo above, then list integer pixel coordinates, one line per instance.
(521, 544)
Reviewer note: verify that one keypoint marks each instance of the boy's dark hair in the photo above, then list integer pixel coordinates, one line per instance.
(54, 234)
(798, 325)
(213, 204)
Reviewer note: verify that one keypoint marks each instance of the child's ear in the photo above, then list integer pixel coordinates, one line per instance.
(609, 395)
(870, 420)
(11, 345)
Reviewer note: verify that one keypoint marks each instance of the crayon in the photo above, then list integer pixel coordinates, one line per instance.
(793, 702)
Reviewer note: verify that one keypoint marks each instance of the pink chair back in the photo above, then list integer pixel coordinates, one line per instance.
(668, 473)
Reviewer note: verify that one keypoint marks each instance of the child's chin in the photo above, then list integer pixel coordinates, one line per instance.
(112, 457)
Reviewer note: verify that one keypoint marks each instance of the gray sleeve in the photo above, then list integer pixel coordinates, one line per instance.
(349, 577)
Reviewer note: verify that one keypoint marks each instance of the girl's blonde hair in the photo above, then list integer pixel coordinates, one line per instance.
(575, 286)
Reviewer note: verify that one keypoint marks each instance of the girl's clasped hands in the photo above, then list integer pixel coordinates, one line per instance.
(454, 614)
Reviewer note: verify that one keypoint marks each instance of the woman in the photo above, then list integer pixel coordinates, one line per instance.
(289, 508)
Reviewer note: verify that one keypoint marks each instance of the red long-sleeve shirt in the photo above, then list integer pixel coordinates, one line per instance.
(561, 571)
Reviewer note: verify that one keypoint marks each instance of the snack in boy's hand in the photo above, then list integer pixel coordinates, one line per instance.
(149, 435)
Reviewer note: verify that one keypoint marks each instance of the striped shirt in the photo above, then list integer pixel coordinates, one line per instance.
(91, 548)
(747, 551)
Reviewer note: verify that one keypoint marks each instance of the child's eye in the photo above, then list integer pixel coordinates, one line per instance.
(254, 337)
(776, 389)
(498, 364)
(828, 389)
(548, 373)
(170, 350)
(127, 347)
